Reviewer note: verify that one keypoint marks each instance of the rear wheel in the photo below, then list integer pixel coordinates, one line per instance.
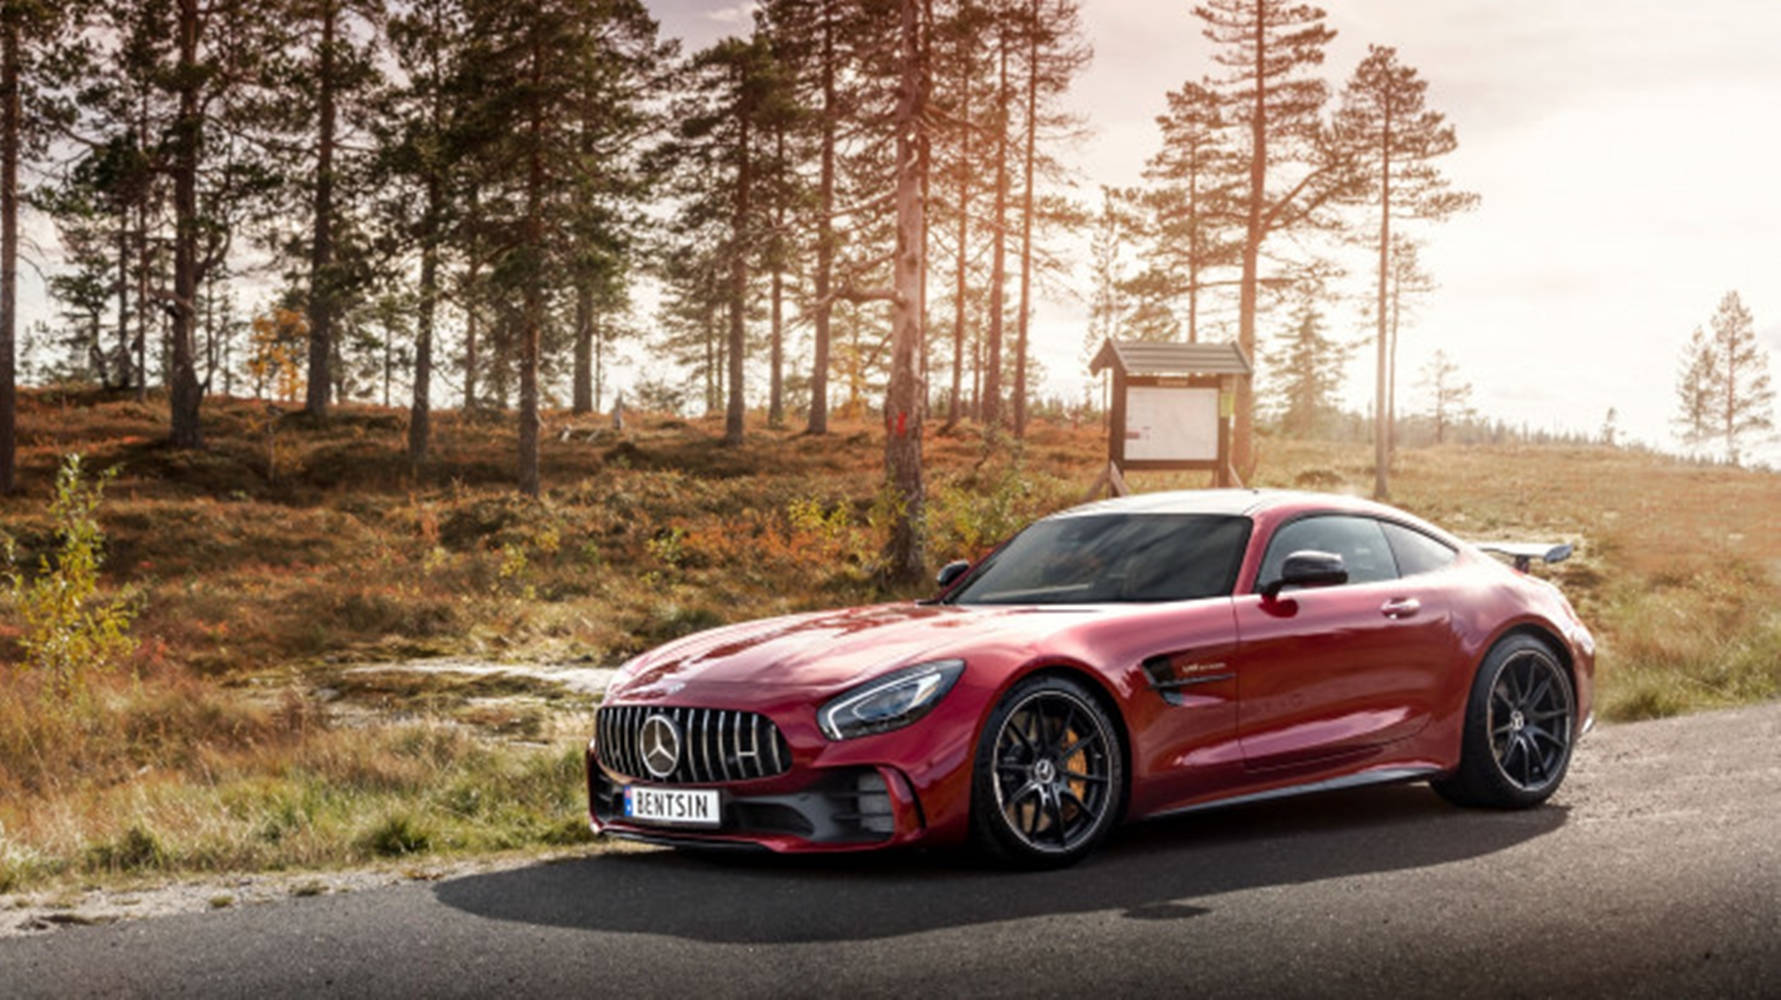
(1047, 783)
(1520, 727)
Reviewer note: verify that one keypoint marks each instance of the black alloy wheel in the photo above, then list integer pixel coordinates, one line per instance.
(1520, 729)
(1049, 775)
(1530, 719)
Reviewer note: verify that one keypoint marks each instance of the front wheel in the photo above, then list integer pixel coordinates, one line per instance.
(1520, 727)
(1047, 781)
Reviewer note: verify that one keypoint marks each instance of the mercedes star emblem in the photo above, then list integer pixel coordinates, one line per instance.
(658, 742)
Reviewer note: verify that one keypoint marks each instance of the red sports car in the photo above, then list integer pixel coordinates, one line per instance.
(1141, 656)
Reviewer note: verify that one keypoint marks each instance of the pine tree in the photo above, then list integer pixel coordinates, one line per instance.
(418, 150)
(327, 71)
(1306, 370)
(1743, 397)
(991, 393)
(87, 228)
(906, 554)
(1269, 49)
(959, 81)
(822, 47)
(1106, 303)
(534, 71)
(689, 316)
(609, 216)
(1696, 384)
(208, 78)
(736, 94)
(1054, 54)
(1188, 235)
(1394, 139)
(1408, 280)
(1450, 397)
(28, 30)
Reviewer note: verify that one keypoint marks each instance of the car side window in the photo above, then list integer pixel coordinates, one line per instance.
(1417, 552)
(1360, 541)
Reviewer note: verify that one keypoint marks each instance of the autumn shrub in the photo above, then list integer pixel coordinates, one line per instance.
(828, 533)
(69, 629)
(972, 513)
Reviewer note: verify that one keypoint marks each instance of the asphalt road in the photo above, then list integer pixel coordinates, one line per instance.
(1656, 871)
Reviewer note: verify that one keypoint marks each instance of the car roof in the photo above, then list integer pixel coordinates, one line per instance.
(1228, 502)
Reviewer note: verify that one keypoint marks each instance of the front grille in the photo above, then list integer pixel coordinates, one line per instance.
(715, 744)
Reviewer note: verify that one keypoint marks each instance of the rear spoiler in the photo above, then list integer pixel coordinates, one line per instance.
(1524, 553)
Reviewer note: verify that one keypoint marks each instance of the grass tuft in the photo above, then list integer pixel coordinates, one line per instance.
(137, 849)
(398, 834)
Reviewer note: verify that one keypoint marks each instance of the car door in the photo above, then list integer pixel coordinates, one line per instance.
(1330, 673)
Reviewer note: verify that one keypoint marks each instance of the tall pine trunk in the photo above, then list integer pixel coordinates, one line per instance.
(581, 390)
(11, 125)
(712, 361)
(582, 394)
(184, 392)
(1026, 229)
(776, 387)
(599, 366)
(472, 284)
(229, 353)
(924, 160)
(1381, 415)
(739, 227)
(1391, 392)
(998, 267)
(123, 297)
(1243, 428)
(960, 275)
(533, 321)
(420, 412)
(321, 305)
(825, 233)
(143, 260)
(977, 378)
(1193, 254)
(902, 443)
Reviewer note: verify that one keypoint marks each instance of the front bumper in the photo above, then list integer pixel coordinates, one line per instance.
(804, 810)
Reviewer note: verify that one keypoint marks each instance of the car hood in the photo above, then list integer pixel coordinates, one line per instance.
(832, 649)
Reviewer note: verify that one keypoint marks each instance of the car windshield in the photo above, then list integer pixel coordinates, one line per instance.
(1106, 558)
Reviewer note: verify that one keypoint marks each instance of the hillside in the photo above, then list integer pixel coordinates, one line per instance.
(266, 567)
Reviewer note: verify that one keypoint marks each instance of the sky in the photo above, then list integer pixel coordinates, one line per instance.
(1626, 153)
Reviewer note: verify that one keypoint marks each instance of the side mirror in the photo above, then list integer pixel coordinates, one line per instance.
(1308, 568)
(950, 573)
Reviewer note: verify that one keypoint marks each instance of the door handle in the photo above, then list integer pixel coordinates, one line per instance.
(1400, 607)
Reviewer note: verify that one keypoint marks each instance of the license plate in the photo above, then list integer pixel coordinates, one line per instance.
(672, 806)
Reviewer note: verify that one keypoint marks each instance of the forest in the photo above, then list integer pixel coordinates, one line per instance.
(851, 207)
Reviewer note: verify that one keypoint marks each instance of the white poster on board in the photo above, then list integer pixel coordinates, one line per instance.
(1171, 424)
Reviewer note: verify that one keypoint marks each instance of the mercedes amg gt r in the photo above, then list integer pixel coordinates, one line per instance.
(1125, 659)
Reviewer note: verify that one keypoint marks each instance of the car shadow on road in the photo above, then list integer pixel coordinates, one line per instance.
(1160, 870)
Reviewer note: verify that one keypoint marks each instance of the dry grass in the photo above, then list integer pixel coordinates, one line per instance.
(262, 571)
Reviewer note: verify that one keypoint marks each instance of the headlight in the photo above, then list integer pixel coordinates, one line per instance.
(889, 702)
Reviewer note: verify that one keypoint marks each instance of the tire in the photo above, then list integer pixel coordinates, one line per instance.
(1520, 729)
(1048, 781)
